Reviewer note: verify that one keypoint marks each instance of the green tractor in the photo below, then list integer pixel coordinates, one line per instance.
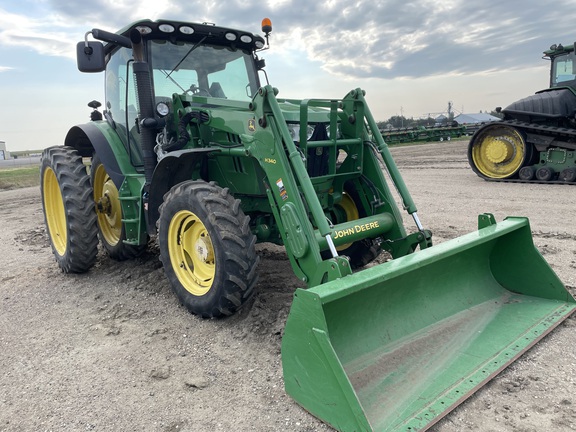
(194, 151)
(536, 140)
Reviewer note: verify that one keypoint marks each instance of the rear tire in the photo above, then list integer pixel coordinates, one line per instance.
(207, 248)
(68, 209)
(111, 230)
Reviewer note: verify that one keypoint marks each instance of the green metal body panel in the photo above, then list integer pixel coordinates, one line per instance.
(397, 346)
(130, 196)
(557, 158)
(117, 146)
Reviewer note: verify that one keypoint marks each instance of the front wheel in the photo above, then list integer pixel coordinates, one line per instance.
(361, 252)
(68, 209)
(207, 248)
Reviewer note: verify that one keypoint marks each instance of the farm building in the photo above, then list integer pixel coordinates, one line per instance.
(4, 154)
(474, 121)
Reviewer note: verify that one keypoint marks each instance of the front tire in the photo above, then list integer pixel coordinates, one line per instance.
(207, 248)
(68, 209)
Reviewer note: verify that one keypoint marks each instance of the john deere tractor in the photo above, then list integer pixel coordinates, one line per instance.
(194, 152)
(536, 140)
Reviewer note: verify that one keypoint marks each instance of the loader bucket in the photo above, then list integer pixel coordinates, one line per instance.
(397, 346)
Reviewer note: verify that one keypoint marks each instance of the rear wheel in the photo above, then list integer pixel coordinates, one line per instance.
(111, 230)
(68, 209)
(207, 248)
(498, 152)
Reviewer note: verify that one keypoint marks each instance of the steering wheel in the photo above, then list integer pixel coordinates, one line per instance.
(199, 91)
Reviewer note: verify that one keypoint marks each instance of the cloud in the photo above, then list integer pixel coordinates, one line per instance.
(396, 38)
(360, 39)
(5, 68)
(56, 26)
(43, 35)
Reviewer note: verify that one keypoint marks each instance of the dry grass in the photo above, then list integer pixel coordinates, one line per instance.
(15, 178)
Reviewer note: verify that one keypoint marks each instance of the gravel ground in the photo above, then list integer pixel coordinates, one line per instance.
(112, 350)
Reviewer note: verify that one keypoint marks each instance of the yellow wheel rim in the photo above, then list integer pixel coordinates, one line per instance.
(499, 152)
(191, 253)
(107, 206)
(55, 213)
(348, 205)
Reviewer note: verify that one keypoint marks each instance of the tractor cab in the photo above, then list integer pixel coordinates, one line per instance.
(183, 60)
(563, 68)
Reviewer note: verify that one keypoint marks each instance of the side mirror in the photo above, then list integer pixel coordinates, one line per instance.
(90, 56)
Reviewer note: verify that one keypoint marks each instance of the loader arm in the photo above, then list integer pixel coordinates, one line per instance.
(291, 194)
(294, 195)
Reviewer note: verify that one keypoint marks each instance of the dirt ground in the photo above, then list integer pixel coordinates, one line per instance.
(112, 350)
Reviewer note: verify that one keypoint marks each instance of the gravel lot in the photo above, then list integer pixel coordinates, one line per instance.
(112, 350)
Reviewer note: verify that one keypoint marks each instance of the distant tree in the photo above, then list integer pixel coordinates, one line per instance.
(397, 122)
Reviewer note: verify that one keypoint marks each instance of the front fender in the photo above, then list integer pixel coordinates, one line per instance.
(174, 168)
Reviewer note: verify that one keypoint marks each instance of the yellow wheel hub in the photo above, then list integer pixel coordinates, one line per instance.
(348, 205)
(55, 213)
(499, 152)
(108, 206)
(191, 252)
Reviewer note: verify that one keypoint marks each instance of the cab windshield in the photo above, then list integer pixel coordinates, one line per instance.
(564, 70)
(206, 70)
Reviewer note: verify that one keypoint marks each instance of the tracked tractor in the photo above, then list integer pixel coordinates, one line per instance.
(536, 140)
(194, 152)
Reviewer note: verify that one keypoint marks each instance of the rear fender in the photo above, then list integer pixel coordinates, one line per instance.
(100, 138)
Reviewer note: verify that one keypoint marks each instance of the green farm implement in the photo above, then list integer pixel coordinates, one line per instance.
(194, 151)
(536, 139)
(437, 133)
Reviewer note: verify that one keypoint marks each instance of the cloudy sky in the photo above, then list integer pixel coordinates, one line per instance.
(411, 56)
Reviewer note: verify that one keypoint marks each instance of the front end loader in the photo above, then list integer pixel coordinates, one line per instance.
(194, 151)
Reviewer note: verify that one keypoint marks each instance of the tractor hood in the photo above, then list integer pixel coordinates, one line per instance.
(546, 104)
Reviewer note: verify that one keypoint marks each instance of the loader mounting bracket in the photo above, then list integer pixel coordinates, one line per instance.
(408, 244)
(486, 220)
